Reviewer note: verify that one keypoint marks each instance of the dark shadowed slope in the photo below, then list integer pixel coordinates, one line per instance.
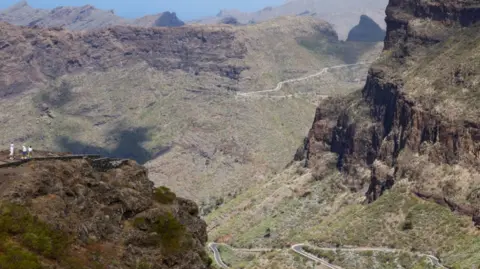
(367, 30)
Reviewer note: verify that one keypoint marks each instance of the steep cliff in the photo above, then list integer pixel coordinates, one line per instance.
(75, 214)
(417, 118)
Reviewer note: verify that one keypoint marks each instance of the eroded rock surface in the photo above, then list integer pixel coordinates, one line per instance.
(118, 209)
(416, 118)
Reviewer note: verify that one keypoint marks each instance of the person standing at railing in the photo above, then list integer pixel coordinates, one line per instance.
(12, 151)
(24, 152)
(30, 152)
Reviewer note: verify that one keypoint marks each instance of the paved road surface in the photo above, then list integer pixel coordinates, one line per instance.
(216, 255)
(298, 248)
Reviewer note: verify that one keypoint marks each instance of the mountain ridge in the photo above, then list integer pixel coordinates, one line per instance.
(340, 14)
(80, 18)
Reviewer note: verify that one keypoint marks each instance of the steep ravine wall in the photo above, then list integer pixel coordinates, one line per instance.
(375, 129)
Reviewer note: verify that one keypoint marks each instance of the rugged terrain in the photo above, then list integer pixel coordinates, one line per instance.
(79, 18)
(78, 214)
(392, 166)
(343, 14)
(171, 96)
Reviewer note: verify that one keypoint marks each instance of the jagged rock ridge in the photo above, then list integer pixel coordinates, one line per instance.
(80, 18)
(416, 112)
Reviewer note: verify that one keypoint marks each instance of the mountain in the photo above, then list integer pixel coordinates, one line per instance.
(181, 100)
(393, 166)
(79, 18)
(366, 30)
(342, 14)
(69, 212)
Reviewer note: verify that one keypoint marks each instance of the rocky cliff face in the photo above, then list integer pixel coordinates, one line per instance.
(74, 215)
(80, 18)
(48, 54)
(416, 119)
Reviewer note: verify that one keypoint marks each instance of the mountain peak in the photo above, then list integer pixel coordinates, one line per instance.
(367, 30)
(19, 5)
(168, 19)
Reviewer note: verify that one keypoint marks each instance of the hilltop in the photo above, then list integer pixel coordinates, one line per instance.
(170, 97)
(343, 15)
(391, 166)
(80, 18)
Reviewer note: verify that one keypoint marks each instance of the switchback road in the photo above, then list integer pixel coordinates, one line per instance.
(299, 249)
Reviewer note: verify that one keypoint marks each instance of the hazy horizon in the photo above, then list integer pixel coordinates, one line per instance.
(185, 9)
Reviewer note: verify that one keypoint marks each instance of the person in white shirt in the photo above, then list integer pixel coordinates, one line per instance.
(12, 151)
(30, 151)
(24, 152)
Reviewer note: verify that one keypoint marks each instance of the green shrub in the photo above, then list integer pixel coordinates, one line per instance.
(170, 232)
(206, 259)
(143, 265)
(164, 195)
(165, 231)
(33, 234)
(14, 257)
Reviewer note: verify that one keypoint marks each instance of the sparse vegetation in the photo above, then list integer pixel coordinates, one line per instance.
(165, 231)
(24, 237)
(435, 229)
(164, 195)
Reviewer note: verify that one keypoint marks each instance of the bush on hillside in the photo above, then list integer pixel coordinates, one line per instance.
(164, 195)
(164, 231)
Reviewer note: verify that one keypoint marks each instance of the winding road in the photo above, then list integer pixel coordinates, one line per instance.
(280, 84)
(299, 249)
(216, 255)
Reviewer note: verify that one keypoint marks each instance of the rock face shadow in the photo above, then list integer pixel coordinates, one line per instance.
(128, 146)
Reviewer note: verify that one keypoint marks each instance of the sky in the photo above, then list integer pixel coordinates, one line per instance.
(185, 9)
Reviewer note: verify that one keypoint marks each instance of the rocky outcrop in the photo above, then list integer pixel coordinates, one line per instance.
(47, 54)
(367, 30)
(402, 123)
(114, 218)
